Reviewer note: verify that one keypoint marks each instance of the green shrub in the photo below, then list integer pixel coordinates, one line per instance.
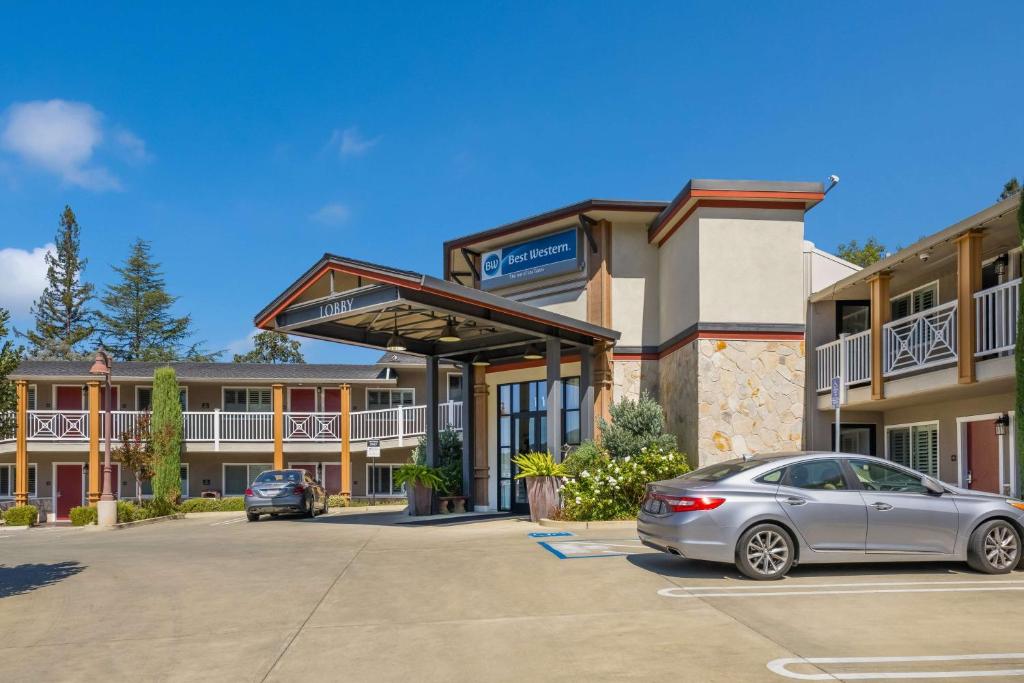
(449, 460)
(413, 473)
(82, 515)
(635, 425)
(158, 507)
(22, 515)
(337, 501)
(212, 505)
(129, 512)
(587, 456)
(166, 427)
(615, 489)
(538, 465)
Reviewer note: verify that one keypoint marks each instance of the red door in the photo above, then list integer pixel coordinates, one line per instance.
(69, 398)
(983, 456)
(69, 489)
(303, 401)
(332, 401)
(332, 479)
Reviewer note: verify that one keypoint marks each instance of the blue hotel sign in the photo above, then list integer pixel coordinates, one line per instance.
(546, 256)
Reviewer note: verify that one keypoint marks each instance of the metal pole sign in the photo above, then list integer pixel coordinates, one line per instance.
(373, 448)
(373, 451)
(839, 386)
(836, 384)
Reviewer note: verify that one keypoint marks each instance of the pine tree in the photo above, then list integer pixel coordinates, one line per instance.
(136, 323)
(272, 347)
(166, 426)
(10, 356)
(64, 322)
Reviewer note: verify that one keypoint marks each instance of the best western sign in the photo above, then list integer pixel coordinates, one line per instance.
(542, 257)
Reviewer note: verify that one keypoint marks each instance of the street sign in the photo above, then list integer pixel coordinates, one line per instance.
(373, 448)
(835, 392)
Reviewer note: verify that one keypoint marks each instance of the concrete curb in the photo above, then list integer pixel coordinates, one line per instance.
(25, 527)
(580, 526)
(151, 520)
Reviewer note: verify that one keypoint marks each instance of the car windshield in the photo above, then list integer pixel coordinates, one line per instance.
(722, 470)
(269, 477)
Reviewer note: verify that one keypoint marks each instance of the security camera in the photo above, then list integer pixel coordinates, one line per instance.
(924, 256)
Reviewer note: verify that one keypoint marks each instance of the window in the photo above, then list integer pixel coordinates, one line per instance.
(915, 446)
(877, 476)
(772, 477)
(852, 316)
(7, 481)
(915, 301)
(722, 470)
(144, 398)
(454, 386)
(380, 399)
(247, 400)
(380, 480)
(271, 477)
(238, 477)
(147, 484)
(856, 439)
(817, 475)
(31, 397)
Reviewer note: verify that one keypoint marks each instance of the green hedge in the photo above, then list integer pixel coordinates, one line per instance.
(213, 505)
(83, 515)
(22, 515)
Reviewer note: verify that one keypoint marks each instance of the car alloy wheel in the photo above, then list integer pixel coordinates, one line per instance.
(767, 552)
(1000, 547)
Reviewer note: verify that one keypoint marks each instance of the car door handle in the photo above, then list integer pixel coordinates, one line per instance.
(881, 507)
(795, 500)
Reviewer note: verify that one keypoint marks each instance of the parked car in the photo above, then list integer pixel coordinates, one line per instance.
(277, 491)
(767, 513)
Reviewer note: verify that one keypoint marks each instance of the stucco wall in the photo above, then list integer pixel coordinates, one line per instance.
(678, 285)
(635, 281)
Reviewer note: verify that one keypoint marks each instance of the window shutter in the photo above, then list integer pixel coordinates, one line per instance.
(259, 400)
(145, 398)
(925, 299)
(926, 449)
(6, 475)
(899, 446)
(32, 480)
(900, 307)
(31, 398)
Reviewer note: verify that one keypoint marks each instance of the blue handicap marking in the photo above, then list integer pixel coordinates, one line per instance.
(549, 534)
(580, 549)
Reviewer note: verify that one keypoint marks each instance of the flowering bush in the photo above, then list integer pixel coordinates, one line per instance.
(615, 487)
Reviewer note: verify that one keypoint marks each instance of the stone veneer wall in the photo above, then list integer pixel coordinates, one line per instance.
(677, 379)
(750, 397)
(630, 378)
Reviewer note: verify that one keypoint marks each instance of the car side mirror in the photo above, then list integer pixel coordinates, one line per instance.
(932, 487)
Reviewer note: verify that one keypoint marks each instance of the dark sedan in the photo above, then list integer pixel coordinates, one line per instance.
(277, 491)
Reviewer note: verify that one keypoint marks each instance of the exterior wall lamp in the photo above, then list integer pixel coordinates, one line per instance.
(1001, 263)
(1002, 425)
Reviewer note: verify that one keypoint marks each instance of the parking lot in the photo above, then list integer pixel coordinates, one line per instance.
(353, 596)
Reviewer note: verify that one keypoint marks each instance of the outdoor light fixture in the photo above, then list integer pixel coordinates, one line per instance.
(394, 341)
(1002, 422)
(479, 361)
(1001, 263)
(531, 353)
(449, 333)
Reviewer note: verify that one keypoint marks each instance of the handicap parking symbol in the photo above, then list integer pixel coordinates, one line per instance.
(549, 534)
(571, 550)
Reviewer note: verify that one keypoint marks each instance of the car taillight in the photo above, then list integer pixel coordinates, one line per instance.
(688, 504)
(248, 492)
(299, 490)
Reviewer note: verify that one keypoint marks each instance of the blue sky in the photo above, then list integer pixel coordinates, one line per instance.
(245, 140)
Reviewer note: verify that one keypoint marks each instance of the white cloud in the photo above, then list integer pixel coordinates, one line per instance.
(24, 274)
(63, 137)
(350, 143)
(243, 345)
(333, 213)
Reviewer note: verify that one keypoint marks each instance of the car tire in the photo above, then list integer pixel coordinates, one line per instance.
(325, 510)
(994, 548)
(765, 552)
(310, 507)
(252, 516)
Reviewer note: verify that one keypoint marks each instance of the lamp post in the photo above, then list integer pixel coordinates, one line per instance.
(106, 508)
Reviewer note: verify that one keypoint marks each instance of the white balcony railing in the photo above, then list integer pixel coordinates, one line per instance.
(219, 426)
(858, 360)
(923, 340)
(996, 319)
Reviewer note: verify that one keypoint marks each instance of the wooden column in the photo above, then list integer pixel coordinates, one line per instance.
(21, 444)
(599, 312)
(880, 311)
(553, 361)
(277, 392)
(968, 281)
(587, 394)
(481, 470)
(94, 441)
(345, 424)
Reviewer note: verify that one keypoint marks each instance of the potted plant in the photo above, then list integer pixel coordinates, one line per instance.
(420, 481)
(541, 473)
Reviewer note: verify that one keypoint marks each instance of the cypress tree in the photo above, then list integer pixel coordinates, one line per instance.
(136, 323)
(63, 318)
(166, 436)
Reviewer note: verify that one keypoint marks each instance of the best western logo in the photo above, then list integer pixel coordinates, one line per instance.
(492, 264)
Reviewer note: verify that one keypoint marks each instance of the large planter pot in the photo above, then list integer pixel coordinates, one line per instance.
(543, 495)
(420, 498)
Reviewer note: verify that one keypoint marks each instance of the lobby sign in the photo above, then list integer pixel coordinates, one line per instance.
(546, 256)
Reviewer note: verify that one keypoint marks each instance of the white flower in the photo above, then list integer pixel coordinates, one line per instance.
(626, 459)
(584, 473)
(578, 500)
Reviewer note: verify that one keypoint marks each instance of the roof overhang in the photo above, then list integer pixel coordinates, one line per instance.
(754, 194)
(361, 303)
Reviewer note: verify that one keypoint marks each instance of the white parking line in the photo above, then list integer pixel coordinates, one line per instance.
(229, 521)
(846, 589)
(781, 667)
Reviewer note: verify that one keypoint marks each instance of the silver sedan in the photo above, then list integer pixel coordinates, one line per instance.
(277, 491)
(767, 513)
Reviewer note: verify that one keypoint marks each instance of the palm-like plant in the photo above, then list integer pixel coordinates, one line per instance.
(413, 474)
(538, 465)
